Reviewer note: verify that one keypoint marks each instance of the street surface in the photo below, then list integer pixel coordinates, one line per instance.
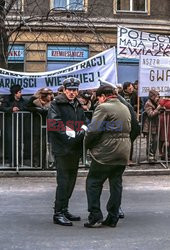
(26, 216)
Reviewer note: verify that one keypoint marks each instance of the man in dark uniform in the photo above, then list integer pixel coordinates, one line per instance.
(65, 118)
(108, 139)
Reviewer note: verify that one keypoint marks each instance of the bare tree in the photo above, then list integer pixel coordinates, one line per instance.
(93, 26)
(83, 27)
(3, 36)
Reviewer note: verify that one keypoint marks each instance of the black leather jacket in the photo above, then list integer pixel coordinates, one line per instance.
(61, 114)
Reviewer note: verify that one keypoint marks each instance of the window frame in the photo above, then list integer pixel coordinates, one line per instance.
(20, 8)
(84, 8)
(147, 8)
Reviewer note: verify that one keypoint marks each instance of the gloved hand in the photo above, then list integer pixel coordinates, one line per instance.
(162, 109)
(76, 137)
(80, 135)
(84, 127)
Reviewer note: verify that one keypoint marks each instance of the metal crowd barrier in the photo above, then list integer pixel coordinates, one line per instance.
(24, 140)
(24, 143)
(17, 141)
(145, 140)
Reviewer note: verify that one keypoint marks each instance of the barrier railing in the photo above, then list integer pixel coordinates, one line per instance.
(18, 141)
(155, 142)
(2, 138)
(24, 142)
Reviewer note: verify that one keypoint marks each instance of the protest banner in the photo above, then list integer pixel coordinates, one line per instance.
(154, 73)
(133, 43)
(102, 65)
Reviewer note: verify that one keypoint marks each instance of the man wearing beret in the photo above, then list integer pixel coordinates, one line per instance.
(108, 139)
(65, 119)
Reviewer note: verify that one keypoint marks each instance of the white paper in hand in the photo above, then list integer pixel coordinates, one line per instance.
(70, 132)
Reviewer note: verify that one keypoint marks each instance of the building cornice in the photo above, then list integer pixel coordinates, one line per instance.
(106, 24)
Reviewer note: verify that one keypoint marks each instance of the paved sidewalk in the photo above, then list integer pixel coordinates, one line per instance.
(26, 216)
(143, 169)
(139, 153)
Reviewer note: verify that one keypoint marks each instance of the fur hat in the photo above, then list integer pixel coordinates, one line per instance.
(46, 91)
(153, 93)
(85, 94)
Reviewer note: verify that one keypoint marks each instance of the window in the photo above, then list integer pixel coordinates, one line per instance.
(16, 6)
(132, 5)
(16, 57)
(69, 4)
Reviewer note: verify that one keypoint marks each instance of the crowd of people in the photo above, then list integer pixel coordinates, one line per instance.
(40, 102)
(106, 120)
(127, 93)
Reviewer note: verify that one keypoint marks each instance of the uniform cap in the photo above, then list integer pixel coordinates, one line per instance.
(71, 83)
(106, 83)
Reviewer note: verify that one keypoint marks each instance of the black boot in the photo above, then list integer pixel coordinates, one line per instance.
(59, 218)
(71, 217)
(110, 221)
(93, 224)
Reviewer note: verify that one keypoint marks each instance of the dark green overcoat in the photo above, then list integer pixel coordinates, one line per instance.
(108, 134)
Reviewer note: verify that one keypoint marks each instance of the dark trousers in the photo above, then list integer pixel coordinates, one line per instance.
(96, 177)
(131, 151)
(67, 167)
(151, 144)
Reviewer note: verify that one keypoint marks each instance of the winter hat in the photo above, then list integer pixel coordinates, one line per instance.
(15, 88)
(153, 93)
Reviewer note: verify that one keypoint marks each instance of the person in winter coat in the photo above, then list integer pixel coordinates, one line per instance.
(108, 138)
(39, 104)
(14, 102)
(165, 127)
(11, 104)
(65, 119)
(150, 125)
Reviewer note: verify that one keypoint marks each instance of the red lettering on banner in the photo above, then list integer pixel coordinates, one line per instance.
(15, 53)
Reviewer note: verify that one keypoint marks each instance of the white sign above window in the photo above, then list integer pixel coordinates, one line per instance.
(16, 53)
(67, 53)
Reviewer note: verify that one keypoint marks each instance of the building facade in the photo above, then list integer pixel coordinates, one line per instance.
(58, 33)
